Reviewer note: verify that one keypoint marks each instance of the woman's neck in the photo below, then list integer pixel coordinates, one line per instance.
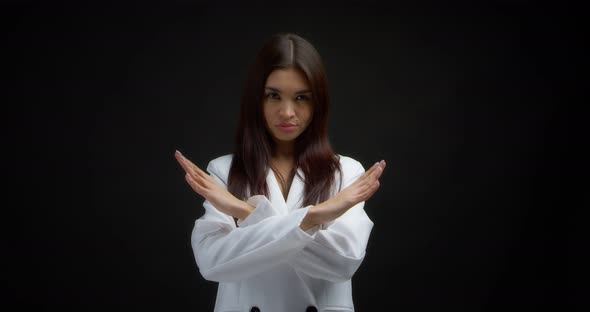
(284, 151)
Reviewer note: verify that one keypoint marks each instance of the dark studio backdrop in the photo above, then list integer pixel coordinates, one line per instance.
(461, 101)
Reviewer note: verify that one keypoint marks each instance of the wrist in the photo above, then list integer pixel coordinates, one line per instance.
(243, 210)
(311, 218)
(340, 203)
(330, 209)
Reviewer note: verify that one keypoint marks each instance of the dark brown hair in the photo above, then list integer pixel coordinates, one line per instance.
(254, 144)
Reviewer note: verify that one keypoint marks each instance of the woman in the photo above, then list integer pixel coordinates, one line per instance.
(289, 238)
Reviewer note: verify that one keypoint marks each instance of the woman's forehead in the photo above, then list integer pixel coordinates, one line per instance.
(288, 80)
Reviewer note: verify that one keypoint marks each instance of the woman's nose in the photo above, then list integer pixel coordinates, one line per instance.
(287, 109)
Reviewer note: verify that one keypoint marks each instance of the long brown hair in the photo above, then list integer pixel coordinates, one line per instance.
(254, 144)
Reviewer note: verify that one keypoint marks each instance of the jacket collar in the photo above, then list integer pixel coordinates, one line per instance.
(294, 197)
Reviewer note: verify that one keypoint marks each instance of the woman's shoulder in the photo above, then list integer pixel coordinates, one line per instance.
(222, 161)
(349, 164)
(352, 169)
(220, 166)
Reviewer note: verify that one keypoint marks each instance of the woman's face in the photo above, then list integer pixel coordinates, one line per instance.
(287, 104)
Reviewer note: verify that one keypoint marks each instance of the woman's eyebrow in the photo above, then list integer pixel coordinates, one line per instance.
(279, 91)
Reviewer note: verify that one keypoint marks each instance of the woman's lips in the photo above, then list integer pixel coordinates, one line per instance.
(287, 127)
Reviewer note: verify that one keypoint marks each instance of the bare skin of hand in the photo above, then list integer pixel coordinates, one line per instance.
(364, 187)
(206, 186)
(360, 190)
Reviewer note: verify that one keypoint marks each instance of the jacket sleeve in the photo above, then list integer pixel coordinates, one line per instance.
(225, 253)
(338, 248)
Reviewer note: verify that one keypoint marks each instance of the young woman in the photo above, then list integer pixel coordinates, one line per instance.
(284, 227)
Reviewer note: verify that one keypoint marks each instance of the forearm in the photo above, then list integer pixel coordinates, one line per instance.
(318, 214)
(324, 212)
(226, 253)
(337, 251)
(242, 210)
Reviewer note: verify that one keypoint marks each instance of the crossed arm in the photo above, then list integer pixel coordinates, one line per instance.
(223, 252)
(361, 190)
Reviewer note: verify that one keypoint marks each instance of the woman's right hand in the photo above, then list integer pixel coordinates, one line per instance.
(211, 190)
(360, 190)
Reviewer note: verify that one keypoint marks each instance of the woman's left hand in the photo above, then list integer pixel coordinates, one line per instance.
(206, 186)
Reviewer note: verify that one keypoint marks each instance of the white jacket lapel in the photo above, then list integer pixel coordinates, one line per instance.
(295, 198)
(276, 197)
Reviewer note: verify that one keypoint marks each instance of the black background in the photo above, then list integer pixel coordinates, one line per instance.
(470, 105)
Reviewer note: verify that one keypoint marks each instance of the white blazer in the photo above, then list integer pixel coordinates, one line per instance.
(267, 263)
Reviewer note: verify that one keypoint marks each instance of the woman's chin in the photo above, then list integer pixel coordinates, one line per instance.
(285, 138)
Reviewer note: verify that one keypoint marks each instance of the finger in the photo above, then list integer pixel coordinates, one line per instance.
(379, 164)
(363, 185)
(186, 164)
(368, 193)
(194, 168)
(206, 177)
(373, 175)
(187, 169)
(371, 181)
(373, 167)
(195, 185)
(182, 162)
(376, 174)
(199, 171)
(368, 172)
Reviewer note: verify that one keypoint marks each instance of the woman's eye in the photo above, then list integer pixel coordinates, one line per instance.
(302, 98)
(272, 95)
